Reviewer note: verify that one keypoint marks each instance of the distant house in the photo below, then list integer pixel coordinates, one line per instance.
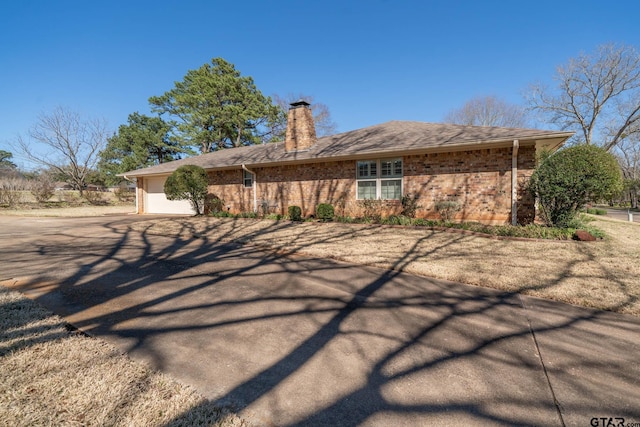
(484, 169)
(125, 185)
(62, 186)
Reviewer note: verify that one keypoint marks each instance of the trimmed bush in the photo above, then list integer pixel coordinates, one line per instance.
(295, 213)
(324, 212)
(188, 182)
(569, 179)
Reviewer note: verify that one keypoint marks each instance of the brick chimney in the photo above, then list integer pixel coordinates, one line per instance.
(301, 131)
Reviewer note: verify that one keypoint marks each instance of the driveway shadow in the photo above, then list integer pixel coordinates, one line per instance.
(292, 340)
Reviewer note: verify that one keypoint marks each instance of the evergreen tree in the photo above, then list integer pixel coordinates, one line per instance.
(143, 141)
(215, 107)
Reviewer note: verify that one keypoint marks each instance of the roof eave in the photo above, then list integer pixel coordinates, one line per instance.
(547, 141)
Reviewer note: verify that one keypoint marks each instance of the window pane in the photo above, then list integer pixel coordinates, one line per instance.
(363, 170)
(367, 169)
(385, 168)
(391, 168)
(391, 189)
(366, 189)
(248, 179)
(397, 167)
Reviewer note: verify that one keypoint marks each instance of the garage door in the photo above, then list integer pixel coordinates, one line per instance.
(156, 202)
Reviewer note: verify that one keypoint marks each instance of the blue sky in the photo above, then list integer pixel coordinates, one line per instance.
(369, 61)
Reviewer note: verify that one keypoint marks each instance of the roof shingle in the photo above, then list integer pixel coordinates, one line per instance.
(382, 139)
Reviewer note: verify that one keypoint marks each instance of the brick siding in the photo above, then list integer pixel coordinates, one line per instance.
(480, 180)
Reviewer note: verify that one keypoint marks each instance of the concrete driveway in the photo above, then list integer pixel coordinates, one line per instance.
(290, 340)
(623, 214)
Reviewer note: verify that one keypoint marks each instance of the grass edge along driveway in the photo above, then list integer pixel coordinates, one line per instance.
(52, 375)
(603, 274)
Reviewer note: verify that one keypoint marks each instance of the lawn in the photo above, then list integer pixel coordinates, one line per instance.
(52, 375)
(604, 274)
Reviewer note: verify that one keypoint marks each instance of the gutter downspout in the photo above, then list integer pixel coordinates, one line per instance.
(136, 181)
(514, 182)
(255, 187)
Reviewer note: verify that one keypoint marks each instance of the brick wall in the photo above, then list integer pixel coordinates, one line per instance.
(140, 195)
(526, 202)
(480, 180)
(301, 132)
(301, 185)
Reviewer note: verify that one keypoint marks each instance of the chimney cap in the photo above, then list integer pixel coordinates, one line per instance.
(299, 103)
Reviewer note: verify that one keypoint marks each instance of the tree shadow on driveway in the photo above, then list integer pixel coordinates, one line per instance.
(292, 340)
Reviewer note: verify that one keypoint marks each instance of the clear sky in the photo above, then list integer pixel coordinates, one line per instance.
(369, 61)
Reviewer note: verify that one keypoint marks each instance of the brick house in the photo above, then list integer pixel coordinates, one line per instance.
(484, 169)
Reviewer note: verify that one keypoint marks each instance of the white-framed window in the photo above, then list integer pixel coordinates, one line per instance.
(247, 179)
(379, 179)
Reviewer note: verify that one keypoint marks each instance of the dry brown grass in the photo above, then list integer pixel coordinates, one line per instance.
(603, 274)
(75, 211)
(51, 376)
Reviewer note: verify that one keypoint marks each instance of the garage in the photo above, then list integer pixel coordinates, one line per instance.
(156, 202)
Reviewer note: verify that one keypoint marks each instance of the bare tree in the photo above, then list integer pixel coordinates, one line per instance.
(66, 143)
(488, 111)
(321, 115)
(597, 95)
(628, 155)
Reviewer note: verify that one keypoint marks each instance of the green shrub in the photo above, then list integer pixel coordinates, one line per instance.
(324, 211)
(345, 219)
(248, 215)
(295, 213)
(213, 204)
(398, 220)
(188, 182)
(569, 179)
(596, 211)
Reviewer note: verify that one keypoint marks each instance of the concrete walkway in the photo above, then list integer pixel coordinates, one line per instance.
(300, 341)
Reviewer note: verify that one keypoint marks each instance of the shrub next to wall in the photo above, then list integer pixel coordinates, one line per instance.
(325, 212)
(295, 213)
(480, 179)
(569, 179)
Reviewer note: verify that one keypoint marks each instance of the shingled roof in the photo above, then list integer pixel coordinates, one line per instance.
(386, 139)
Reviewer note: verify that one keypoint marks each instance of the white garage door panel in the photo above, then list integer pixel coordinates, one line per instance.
(157, 202)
